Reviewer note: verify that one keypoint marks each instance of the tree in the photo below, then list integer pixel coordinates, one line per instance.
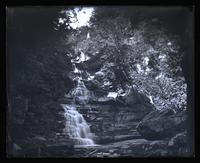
(145, 55)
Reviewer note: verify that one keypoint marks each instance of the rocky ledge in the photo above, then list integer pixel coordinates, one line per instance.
(163, 124)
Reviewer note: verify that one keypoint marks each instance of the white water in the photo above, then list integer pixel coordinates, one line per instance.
(81, 93)
(112, 94)
(76, 126)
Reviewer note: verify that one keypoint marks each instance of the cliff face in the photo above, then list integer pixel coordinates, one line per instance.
(114, 120)
(36, 78)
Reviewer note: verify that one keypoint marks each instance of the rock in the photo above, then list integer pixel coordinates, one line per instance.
(103, 111)
(162, 124)
(14, 150)
(131, 98)
(178, 140)
(16, 147)
(111, 151)
(178, 145)
(39, 139)
(157, 144)
(103, 154)
(99, 74)
(104, 101)
(138, 102)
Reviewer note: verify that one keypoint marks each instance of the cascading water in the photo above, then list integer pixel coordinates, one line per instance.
(81, 93)
(75, 126)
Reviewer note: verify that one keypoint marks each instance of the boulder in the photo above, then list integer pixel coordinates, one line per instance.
(138, 103)
(133, 98)
(179, 140)
(178, 145)
(162, 124)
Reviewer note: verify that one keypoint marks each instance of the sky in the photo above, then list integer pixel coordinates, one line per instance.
(83, 17)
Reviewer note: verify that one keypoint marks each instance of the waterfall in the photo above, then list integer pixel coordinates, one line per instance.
(76, 127)
(81, 93)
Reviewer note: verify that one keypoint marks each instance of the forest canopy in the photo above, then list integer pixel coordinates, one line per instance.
(148, 54)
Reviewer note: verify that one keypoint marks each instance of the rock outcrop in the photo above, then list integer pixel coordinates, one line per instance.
(162, 124)
(113, 120)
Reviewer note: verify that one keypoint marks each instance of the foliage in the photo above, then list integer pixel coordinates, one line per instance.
(142, 55)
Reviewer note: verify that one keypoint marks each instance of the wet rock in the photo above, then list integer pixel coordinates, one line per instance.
(162, 124)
